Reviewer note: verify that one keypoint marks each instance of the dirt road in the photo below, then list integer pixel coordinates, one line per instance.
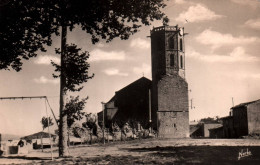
(152, 151)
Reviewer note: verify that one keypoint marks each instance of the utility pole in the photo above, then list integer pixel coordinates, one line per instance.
(232, 102)
(103, 122)
(191, 99)
(191, 106)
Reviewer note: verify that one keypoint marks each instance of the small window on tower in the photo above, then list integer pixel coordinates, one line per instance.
(181, 48)
(172, 60)
(171, 42)
(181, 62)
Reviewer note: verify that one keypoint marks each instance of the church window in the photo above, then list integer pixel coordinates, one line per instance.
(171, 42)
(172, 60)
(181, 48)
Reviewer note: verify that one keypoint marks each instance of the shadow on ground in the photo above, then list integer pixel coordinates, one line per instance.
(24, 158)
(215, 155)
(202, 154)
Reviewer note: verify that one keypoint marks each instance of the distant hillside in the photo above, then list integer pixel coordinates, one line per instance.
(10, 137)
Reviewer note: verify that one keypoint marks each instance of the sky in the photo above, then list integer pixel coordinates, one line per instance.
(222, 62)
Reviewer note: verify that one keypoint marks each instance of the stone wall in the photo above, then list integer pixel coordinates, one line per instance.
(207, 127)
(228, 127)
(216, 133)
(158, 55)
(173, 115)
(240, 121)
(253, 116)
(173, 94)
(173, 124)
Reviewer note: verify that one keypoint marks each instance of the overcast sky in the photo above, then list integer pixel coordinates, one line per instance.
(222, 61)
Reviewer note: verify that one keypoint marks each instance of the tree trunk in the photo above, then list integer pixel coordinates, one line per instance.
(69, 137)
(107, 136)
(90, 138)
(63, 130)
(121, 134)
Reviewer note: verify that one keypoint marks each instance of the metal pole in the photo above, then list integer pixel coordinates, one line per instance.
(29, 97)
(150, 113)
(49, 129)
(103, 122)
(52, 112)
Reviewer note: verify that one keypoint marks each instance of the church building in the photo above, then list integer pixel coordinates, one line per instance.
(169, 113)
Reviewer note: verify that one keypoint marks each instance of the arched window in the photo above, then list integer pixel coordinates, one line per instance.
(181, 62)
(171, 42)
(181, 48)
(172, 60)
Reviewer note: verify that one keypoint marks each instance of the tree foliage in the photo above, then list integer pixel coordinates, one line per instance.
(28, 25)
(75, 69)
(78, 132)
(74, 109)
(46, 121)
(91, 123)
(210, 120)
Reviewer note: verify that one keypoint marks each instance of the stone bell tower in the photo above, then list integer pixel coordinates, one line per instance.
(169, 87)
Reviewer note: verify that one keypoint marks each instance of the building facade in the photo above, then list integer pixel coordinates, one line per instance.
(216, 133)
(206, 127)
(169, 87)
(228, 127)
(246, 118)
(129, 105)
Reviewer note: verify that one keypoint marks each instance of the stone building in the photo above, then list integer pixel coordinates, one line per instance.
(169, 90)
(216, 133)
(228, 127)
(129, 105)
(202, 130)
(169, 87)
(206, 127)
(246, 118)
